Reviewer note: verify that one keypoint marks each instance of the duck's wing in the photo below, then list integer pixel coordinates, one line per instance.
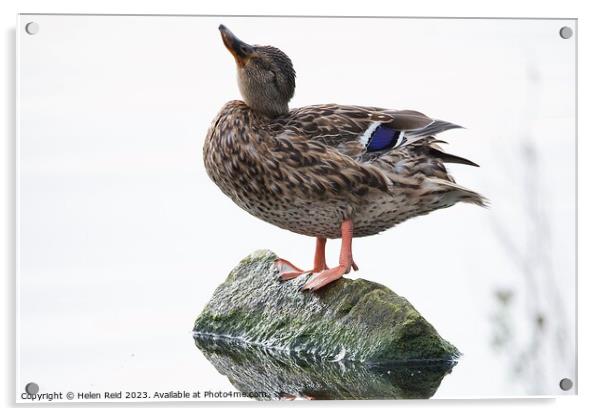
(363, 133)
(354, 149)
(313, 169)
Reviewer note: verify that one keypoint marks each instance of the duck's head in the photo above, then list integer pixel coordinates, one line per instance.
(266, 77)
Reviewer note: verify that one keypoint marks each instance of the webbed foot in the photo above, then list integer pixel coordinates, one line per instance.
(325, 277)
(287, 270)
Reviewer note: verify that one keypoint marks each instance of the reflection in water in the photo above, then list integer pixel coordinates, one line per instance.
(281, 376)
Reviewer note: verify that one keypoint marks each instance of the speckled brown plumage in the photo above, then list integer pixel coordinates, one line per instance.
(307, 171)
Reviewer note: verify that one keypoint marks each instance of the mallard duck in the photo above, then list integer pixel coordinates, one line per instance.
(326, 171)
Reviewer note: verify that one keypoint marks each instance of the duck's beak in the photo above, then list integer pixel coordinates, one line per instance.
(239, 49)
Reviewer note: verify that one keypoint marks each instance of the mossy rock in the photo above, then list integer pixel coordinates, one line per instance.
(355, 320)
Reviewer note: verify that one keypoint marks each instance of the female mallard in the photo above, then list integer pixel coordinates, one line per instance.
(326, 171)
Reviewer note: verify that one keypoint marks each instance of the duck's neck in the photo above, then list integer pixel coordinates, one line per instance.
(264, 101)
(267, 108)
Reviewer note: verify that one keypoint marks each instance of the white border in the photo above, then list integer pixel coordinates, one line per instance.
(589, 147)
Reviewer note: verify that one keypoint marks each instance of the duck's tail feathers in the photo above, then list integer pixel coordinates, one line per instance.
(449, 158)
(461, 193)
(432, 129)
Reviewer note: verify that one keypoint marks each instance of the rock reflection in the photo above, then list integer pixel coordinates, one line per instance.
(281, 376)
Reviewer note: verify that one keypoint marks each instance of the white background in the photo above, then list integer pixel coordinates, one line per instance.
(585, 162)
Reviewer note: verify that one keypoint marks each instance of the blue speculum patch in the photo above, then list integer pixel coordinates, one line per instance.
(383, 138)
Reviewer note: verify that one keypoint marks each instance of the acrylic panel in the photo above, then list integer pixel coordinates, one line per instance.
(123, 237)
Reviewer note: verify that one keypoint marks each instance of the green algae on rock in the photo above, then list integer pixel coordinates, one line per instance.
(354, 320)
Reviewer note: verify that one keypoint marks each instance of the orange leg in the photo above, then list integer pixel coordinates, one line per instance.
(345, 261)
(290, 271)
(320, 256)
